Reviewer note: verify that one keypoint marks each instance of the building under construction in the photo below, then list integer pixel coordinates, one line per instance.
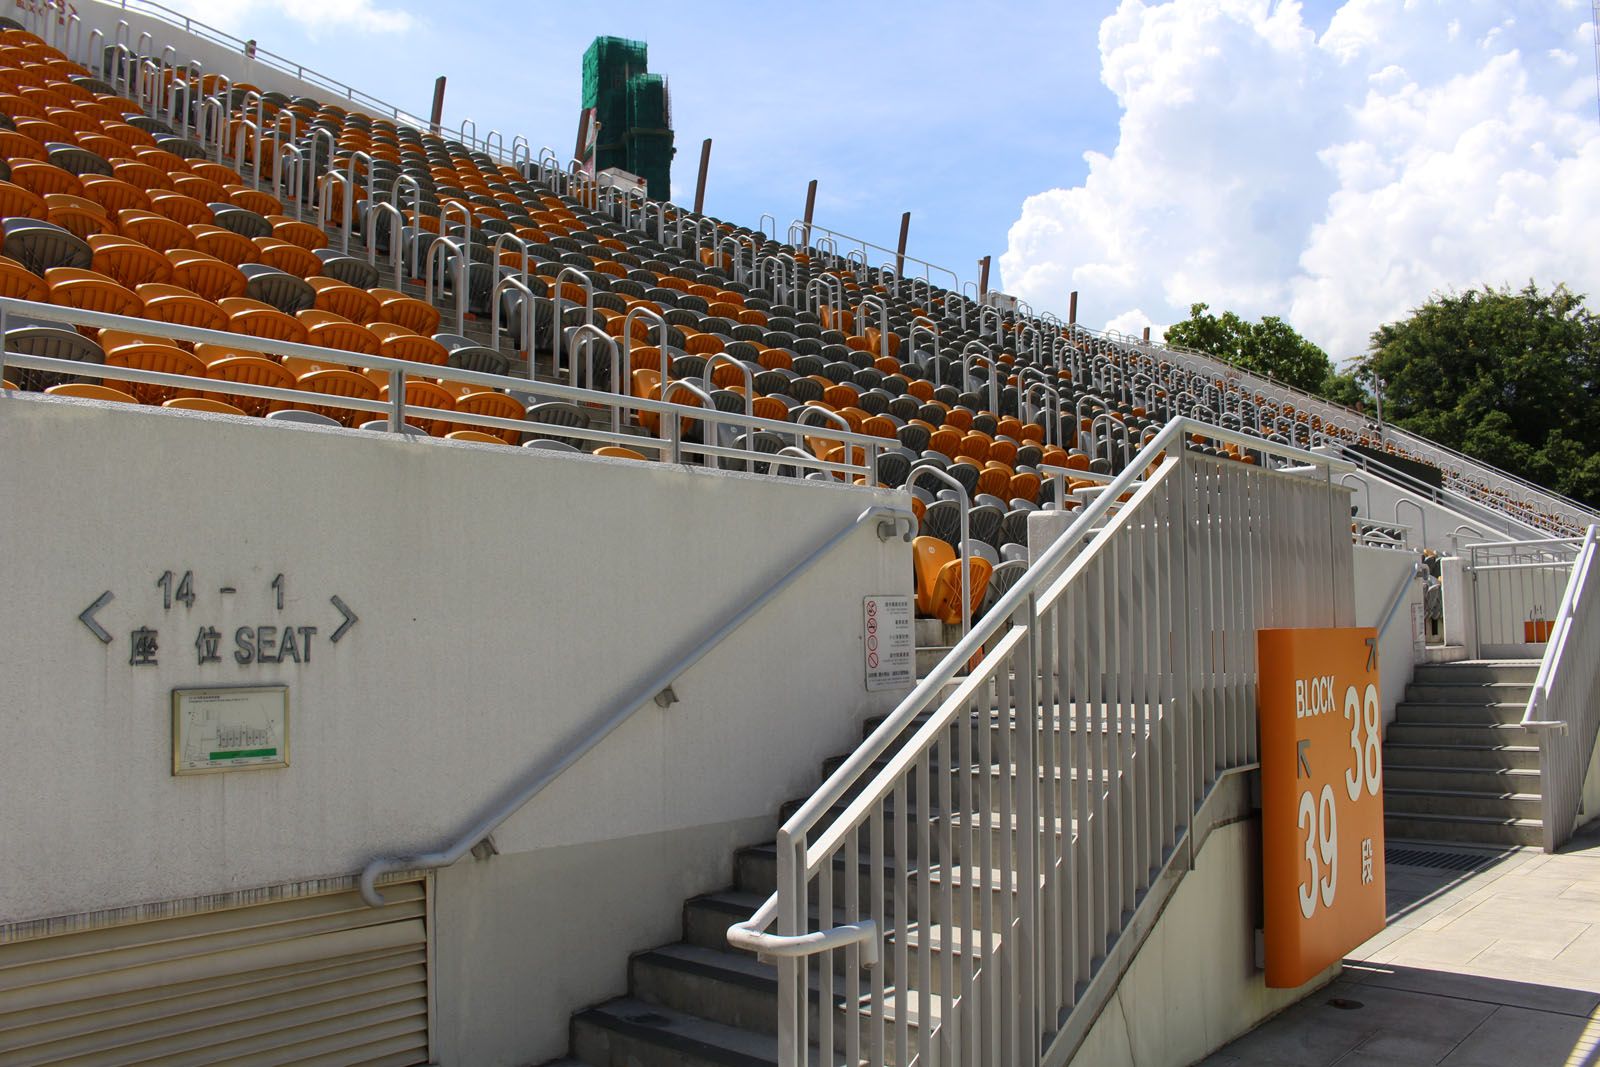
(628, 112)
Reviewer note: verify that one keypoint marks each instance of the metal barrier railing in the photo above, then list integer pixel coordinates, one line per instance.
(672, 447)
(985, 842)
(1516, 587)
(1562, 709)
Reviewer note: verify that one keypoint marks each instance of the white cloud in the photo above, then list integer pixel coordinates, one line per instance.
(317, 19)
(1335, 181)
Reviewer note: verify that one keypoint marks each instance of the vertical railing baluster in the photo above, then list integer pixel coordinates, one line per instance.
(852, 956)
(925, 921)
(903, 919)
(971, 942)
(876, 1037)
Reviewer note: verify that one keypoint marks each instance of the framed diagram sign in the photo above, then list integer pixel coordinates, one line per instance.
(1321, 798)
(229, 729)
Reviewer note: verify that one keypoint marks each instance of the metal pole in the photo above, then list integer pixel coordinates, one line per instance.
(900, 253)
(983, 278)
(811, 206)
(438, 105)
(700, 185)
(1072, 308)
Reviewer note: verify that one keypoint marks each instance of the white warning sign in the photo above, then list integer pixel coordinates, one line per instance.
(888, 648)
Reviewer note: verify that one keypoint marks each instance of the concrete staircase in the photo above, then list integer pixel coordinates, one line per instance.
(1457, 764)
(700, 1002)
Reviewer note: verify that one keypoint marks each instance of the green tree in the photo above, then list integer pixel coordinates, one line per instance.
(1510, 378)
(1269, 347)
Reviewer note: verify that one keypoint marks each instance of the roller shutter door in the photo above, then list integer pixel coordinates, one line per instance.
(312, 980)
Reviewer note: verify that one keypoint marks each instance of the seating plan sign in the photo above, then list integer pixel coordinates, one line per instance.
(230, 729)
(888, 648)
(1321, 798)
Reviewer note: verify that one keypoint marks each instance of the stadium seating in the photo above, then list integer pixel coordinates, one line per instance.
(105, 208)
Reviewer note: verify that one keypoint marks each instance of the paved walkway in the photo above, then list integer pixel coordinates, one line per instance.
(1498, 967)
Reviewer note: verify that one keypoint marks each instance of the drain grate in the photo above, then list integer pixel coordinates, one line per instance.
(1433, 859)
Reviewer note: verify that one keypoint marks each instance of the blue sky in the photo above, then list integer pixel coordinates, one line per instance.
(1332, 162)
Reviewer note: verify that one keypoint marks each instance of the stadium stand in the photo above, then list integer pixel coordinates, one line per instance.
(178, 240)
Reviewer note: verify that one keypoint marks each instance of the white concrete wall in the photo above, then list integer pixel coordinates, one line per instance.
(1195, 986)
(1192, 983)
(507, 599)
(1377, 572)
(1589, 804)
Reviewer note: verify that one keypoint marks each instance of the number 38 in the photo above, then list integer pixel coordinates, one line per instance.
(1363, 710)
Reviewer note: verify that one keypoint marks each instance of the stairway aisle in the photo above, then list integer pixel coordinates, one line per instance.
(1458, 765)
(700, 1002)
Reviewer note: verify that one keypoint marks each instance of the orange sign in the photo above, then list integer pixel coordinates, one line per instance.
(1321, 798)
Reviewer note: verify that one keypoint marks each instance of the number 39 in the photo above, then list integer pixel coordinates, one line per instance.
(1364, 711)
(1320, 820)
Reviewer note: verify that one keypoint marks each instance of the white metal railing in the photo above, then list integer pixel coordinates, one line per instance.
(986, 842)
(1516, 587)
(860, 461)
(1562, 709)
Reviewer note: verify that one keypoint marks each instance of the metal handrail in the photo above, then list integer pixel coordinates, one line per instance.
(657, 691)
(998, 624)
(1550, 664)
(617, 403)
(1561, 710)
(1418, 570)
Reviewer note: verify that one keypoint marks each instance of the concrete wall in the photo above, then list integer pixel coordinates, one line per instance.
(1589, 805)
(507, 600)
(1377, 572)
(1194, 984)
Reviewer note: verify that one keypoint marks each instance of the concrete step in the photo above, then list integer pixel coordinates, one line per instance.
(628, 1032)
(1484, 757)
(1469, 828)
(1402, 801)
(1499, 780)
(707, 918)
(1458, 733)
(756, 872)
(1517, 671)
(1484, 714)
(1468, 692)
(727, 987)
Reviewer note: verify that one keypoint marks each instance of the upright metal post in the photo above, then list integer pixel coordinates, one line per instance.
(983, 277)
(700, 185)
(900, 252)
(811, 206)
(437, 115)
